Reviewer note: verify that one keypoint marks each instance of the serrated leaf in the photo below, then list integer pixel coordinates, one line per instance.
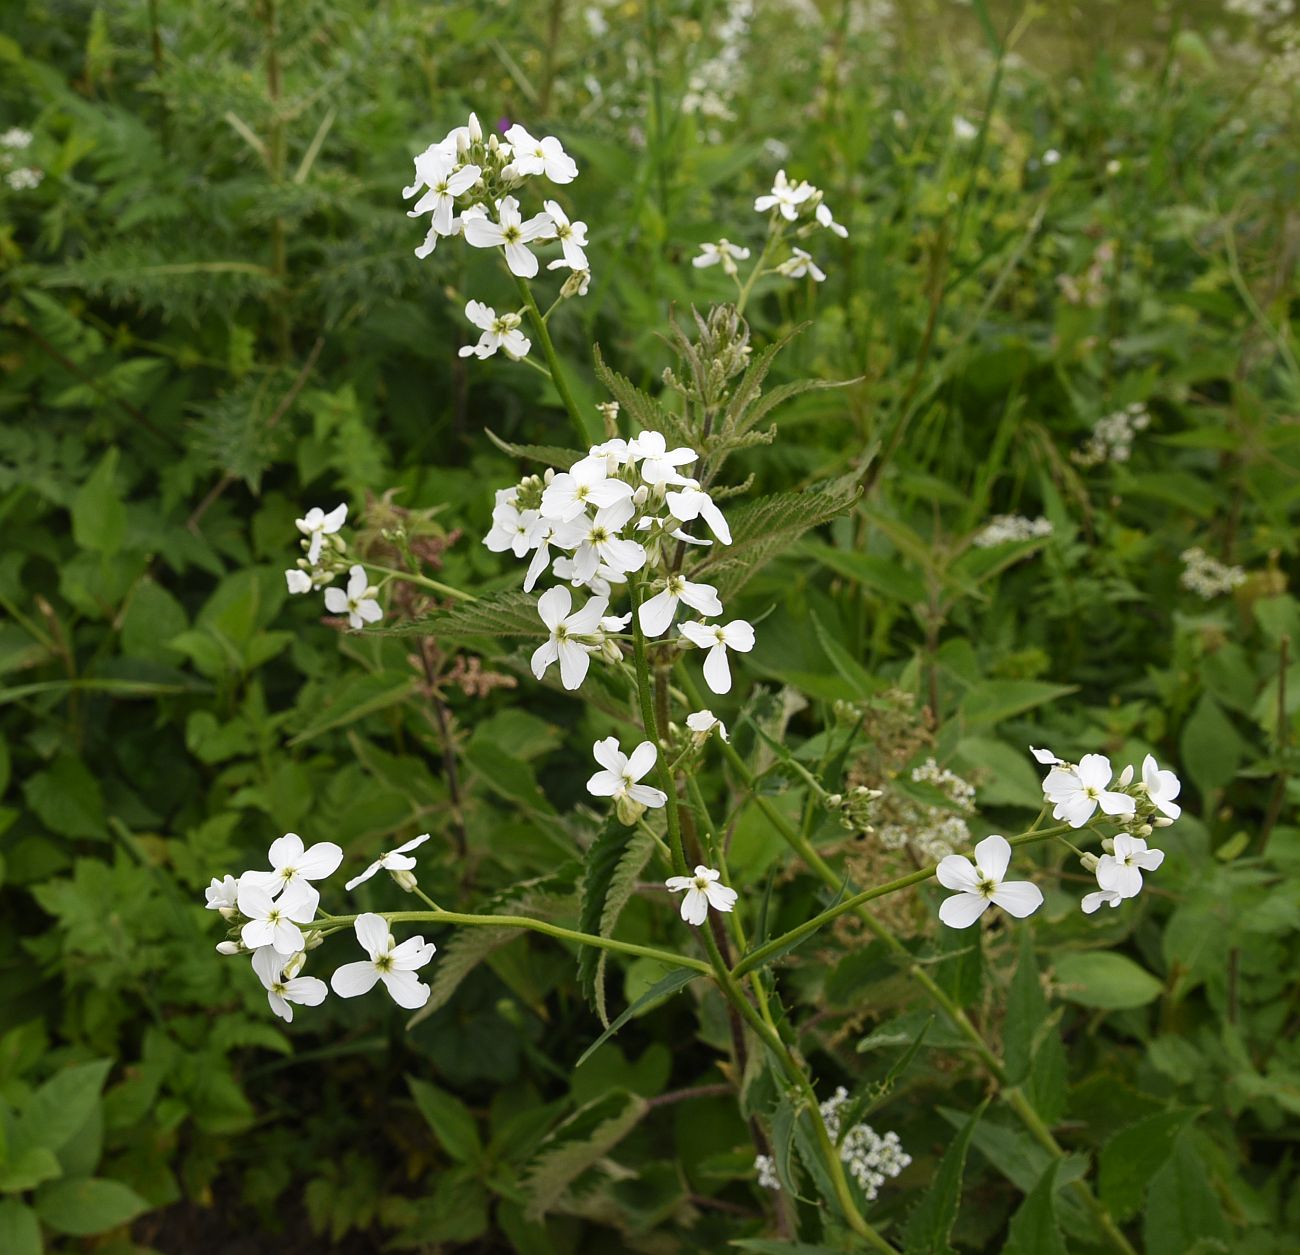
(871, 1093)
(643, 410)
(669, 984)
(585, 1137)
(1034, 1229)
(618, 891)
(931, 1221)
(1134, 1155)
(503, 614)
(547, 454)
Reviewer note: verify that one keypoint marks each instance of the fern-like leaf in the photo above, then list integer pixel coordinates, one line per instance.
(504, 614)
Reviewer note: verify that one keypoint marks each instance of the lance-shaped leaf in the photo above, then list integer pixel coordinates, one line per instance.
(503, 614)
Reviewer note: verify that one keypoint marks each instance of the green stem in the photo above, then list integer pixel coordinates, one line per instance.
(446, 590)
(552, 360)
(732, 991)
(335, 922)
(646, 698)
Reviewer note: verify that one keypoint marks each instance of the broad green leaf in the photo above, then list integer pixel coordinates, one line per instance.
(885, 576)
(1182, 1210)
(91, 1205)
(61, 1107)
(67, 799)
(1099, 978)
(450, 1120)
(354, 698)
(1034, 1228)
(20, 1232)
(991, 701)
(670, 984)
(27, 1167)
(1210, 746)
(98, 515)
(932, 1219)
(1134, 1155)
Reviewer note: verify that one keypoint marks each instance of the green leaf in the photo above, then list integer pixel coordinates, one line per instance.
(881, 575)
(20, 1232)
(1034, 1228)
(931, 1221)
(61, 1107)
(504, 614)
(98, 515)
(622, 885)
(585, 1137)
(1035, 1057)
(92, 1205)
(778, 1246)
(670, 984)
(67, 799)
(850, 670)
(449, 1119)
(548, 455)
(1134, 1155)
(27, 1168)
(1183, 1212)
(642, 410)
(991, 701)
(354, 698)
(1102, 979)
(1210, 746)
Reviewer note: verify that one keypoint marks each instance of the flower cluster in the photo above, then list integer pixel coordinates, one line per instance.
(1002, 528)
(273, 917)
(932, 831)
(1208, 577)
(20, 178)
(871, 1158)
(1112, 436)
(324, 558)
(617, 516)
(1138, 804)
(467, 186)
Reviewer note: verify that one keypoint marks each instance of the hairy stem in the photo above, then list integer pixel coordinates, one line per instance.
(552, 360)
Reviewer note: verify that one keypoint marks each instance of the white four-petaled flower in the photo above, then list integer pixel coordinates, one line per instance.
(274, 922)
(354, 602)
(659, 463)
(717, 638)
(656, 615)
(544, 156)
(510, 233)
(785, 197)
(1121, 872)
(621, 773)
(398, 860)
(295, 866)
(703, 890)
(283, 985)
(389, 962)
(565, 643)
(691, 502)
(1078, 791)
(500, 331)
(801, 264)
(724, 252)
(572, 237)
(1162, 787)
(981, 882)
(702, 722)
(316, 525)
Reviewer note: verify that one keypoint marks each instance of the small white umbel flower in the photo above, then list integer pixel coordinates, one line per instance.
(1099, 898)
(1162, 787)
(398, 860)
(826, 219)
(800, 264)
(354, 602)
(395, 965)
(316, 525)
(785, 197)
(222, 895)
(620, 778)
(500, 331)
(703, 890)
(298, 581)
(283, 985)
(980, 883)
(659, 463)
(545, 156)
(1078, 791)
(572, 237)
(717, 638)
(1121, 872)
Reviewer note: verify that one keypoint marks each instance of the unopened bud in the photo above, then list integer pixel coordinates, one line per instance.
(1108, 844)
(475, 131)
(1143, 830)
(548, 475)
(835, 799)
(228, 912)
(628, 811)
(639, 497)
(229, 947)
(610, 651)
(294, 965)
(1089, 861)
(404, 879)
(1162, 821)
(1126, 776)
(313, 939)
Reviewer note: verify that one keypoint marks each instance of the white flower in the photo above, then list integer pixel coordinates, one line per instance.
(511, 233)
(596, 542)
(293, 865)
(445, 185)
(1078, 791)
(360, 608)
(572, 237)
(543, 534)
(398, 860)
(272, 971)
(717, 638)
(222, 895)
(1051, 157)
(316, 525)
(513, 529)
(1162, 787)
(500, 331)
(15, 137)
(1121, 872)
(982, 883)
(825, 219)
(964, 131)
(25, 178)
(723, 251)
(659, 463)
(1046, 757)
(585, 483)
(799, 265)
(275, 922)
(692, 502)
(393, 964)
(1099, 898)
(298, 581)
(702, 891)
(565, 643)
(621, 773)
(702, 722)
(541, 156)
(657, 614)
(785, 197)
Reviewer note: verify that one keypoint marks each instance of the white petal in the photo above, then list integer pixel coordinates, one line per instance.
(353, 979)
(656, 615)
(992, 856)
(647, 795)
(285, 851)
(695, 906)
(642, 760)
(963, 909)
(1018, 897)
(372, 933)
(362, 878)
(406, 989)
(604, 784)
(609, 756)
(321, 860)
(717, 672)
(574, 661)
(306, 990)
(720, 897)
(413, 953)
(955, 872)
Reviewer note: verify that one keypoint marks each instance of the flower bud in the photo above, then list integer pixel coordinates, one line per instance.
(294, 965)
(229, 912)
(549, 475)
(475, 131)
(1126, 777)
(229, 947)
(639, 497)
(628, 811)
(576, 284)
(313, 939)
(835, 799)
(1143, 830)
(1089, 861)
(404, 879)
(1162, 821)
(1108, 844)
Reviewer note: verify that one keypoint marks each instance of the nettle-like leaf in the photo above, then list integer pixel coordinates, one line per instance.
(581, 1141)
(767, 527)
(546, 454)
(641, 408)
(502, 614)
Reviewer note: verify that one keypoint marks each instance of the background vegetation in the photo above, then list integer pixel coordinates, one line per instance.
(212, 319)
